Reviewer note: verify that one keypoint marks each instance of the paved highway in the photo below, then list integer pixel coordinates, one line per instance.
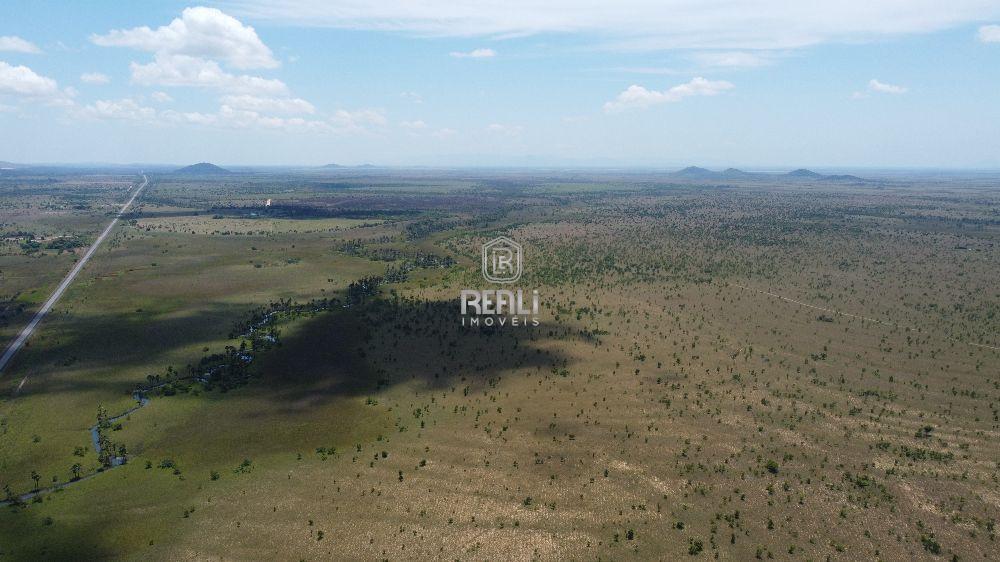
(18, 343)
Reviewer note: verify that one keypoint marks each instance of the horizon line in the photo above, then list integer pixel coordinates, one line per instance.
(763, 169)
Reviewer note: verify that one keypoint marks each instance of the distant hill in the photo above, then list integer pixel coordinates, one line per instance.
(844, 177)
(7, 165)
(737, 173)
(695, 172)
(804, 173)
(203, 169)
(331, 166)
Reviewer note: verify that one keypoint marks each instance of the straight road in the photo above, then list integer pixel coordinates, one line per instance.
(18, 343)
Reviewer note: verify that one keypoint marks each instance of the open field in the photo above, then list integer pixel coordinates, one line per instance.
(789, 369)
(44, 222)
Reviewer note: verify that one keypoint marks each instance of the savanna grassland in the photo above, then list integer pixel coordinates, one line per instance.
(744, 369)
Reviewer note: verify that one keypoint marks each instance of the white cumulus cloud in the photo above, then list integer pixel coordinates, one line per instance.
(638, 97)
(412, 97)
(284, 106)
(15, 44)
(124, 109)
(191, 52)
(199, 32)
(226, 117)
(502, 129)
(883, 88)
(444, 133)
(189, 117)
(361, 120)
(989, 34)
(94, 78)
(184, 70)
(229, 117)
(161, 97)
(475, 54)
(22, 81)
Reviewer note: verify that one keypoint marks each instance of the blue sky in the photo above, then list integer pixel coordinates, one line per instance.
(762, 84)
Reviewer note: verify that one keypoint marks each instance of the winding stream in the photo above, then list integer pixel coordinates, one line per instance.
(141, 398)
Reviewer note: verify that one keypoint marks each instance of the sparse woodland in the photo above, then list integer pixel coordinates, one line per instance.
(740, 371)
